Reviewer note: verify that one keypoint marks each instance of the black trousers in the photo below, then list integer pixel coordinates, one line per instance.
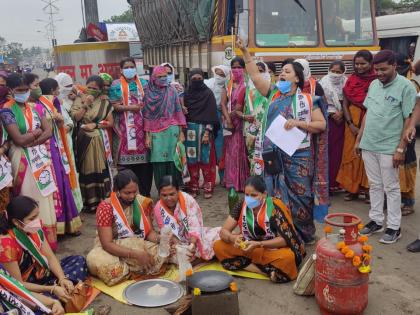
(144, 173)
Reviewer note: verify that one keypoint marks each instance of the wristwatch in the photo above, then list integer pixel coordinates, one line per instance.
(399, 150)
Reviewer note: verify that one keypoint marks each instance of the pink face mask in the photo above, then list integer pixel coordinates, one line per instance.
(238, 74)
(33, 226)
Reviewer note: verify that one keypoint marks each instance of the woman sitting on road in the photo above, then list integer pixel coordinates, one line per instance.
(27, 256)
(182, 214)
(126, 240)
(268, 243)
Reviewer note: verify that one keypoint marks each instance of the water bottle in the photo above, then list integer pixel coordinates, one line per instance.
(165, 237)
(183, 262)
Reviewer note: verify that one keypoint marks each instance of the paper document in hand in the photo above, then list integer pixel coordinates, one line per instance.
(287, 140)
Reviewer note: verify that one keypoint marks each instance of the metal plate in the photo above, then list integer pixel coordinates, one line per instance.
(210, 280)
(136, 293)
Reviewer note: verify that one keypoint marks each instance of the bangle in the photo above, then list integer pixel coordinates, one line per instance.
(61, 280)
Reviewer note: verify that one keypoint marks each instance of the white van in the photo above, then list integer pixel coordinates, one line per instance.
(398, 31)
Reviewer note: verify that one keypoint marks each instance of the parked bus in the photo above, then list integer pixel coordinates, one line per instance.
(203, 35)
(400, 33)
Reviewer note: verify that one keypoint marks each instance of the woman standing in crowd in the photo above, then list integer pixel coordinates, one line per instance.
(66, 98)
(163, 122)
(28, 258)
(268, 242)
(233, 101)
(170, 71)
(292, 181)
(107, 83)
(408, 171)
(255, 110)
(333, 84)
(202, 125)
(183, 215)
(352, 176)
(7, 180)
(218, 86)
(126, 95)
(93, 148)
(126, 240)
(29, 133)
(68, 220)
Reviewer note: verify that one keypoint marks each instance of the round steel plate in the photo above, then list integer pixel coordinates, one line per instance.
(136, 293)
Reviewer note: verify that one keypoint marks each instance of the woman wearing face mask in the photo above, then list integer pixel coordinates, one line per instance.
(256, 107)
(6, 181)
(163, 123)
(126, 240)
(333, 84)
(66, 98)
(233, 100)
(13, 293)
(93, 148)
(68, 220)
(202, 124)
(352, 176)
(181, 212)
(267, 242)
(126, 95)
(28, 257)
(107, 84)
(29, 132)
(218, 86)
(290, 178)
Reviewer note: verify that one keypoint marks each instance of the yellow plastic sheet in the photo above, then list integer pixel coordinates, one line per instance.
(245, 274)
(117, 290)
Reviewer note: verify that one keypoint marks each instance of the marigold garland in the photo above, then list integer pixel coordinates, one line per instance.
(362, 262)
(197, 291)
(189, 272)
(233, 287)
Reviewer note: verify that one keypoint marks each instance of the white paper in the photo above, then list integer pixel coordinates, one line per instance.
(287, 140)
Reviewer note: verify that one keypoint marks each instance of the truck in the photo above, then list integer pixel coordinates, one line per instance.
(202, 33)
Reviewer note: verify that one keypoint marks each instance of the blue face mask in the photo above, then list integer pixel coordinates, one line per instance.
(129, 73)
(252, 202)
(170, 78)
(284, 86)
(22, 97)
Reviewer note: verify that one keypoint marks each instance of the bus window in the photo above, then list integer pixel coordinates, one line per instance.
(286, 23)
(347, 22)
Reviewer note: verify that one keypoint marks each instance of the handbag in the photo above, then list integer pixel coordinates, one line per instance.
(80, 296)
(305, 282)
(271, 162)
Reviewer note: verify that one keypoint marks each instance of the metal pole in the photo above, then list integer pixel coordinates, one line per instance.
(91, 11)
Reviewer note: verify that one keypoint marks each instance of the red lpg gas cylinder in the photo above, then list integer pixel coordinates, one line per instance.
(339, 286)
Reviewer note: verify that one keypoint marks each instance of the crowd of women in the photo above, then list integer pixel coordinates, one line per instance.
(98, 147)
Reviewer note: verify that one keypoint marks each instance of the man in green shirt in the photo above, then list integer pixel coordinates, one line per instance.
(390, 101)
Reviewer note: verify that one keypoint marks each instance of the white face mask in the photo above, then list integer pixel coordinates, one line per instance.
(335, 78)
(219, 80)
(266, 76)
(65, 91)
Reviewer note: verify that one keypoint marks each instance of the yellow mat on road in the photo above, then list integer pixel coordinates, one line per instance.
(117, 290)
(218, 267)
(172, 273)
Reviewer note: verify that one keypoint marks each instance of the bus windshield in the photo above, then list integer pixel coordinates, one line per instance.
(347, 22)
(286, 23)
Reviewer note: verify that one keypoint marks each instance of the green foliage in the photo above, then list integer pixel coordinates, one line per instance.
(17, 53)
(125, 17)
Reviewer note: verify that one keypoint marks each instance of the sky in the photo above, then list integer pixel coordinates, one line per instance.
(18, 20)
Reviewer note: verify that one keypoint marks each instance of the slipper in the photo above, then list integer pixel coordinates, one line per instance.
(351, 197)
(407, 210)
(414, 247)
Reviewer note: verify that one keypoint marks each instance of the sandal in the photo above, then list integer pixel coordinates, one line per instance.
(414, 247)
(407, 210)
(351, 197)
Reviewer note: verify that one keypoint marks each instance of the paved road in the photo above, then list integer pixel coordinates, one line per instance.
(393, 288)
